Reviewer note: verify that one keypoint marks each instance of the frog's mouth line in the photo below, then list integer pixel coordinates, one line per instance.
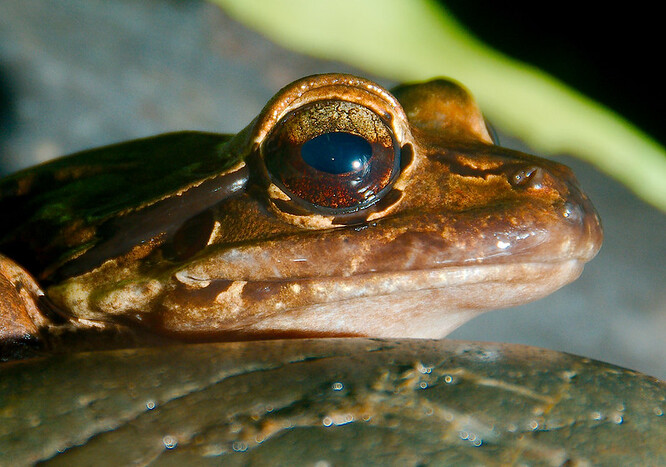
(424, 304)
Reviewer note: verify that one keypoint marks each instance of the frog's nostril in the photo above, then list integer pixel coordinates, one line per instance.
(530, 176)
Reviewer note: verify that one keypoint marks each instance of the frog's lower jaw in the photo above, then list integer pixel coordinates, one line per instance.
(425, 304)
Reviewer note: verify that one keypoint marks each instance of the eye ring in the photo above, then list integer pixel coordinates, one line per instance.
(332, 157)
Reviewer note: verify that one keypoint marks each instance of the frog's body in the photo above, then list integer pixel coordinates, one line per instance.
(202, 236)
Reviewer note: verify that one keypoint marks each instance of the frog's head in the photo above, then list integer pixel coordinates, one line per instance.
(354, 211)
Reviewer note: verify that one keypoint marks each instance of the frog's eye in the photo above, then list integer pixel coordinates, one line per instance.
(332, 156)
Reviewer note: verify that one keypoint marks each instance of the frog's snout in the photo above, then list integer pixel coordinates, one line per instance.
(580, 209)
(576, 209)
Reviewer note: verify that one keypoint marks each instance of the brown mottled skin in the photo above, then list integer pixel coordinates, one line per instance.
(187, 236)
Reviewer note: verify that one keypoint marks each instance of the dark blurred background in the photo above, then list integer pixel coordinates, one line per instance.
(612, 53)
(81, 73)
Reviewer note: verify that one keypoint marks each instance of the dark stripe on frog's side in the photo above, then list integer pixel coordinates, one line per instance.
(84, 191)
(157, 223)
(191, 236)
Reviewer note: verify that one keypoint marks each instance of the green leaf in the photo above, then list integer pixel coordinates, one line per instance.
(409, 40)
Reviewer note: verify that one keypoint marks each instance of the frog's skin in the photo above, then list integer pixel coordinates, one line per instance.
(193, 236)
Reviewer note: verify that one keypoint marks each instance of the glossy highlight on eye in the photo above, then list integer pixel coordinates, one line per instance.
(337, 152)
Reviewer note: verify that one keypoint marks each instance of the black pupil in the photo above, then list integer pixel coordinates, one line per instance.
(337, 152)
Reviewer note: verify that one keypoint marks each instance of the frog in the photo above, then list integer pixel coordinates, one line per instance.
(342, 210)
